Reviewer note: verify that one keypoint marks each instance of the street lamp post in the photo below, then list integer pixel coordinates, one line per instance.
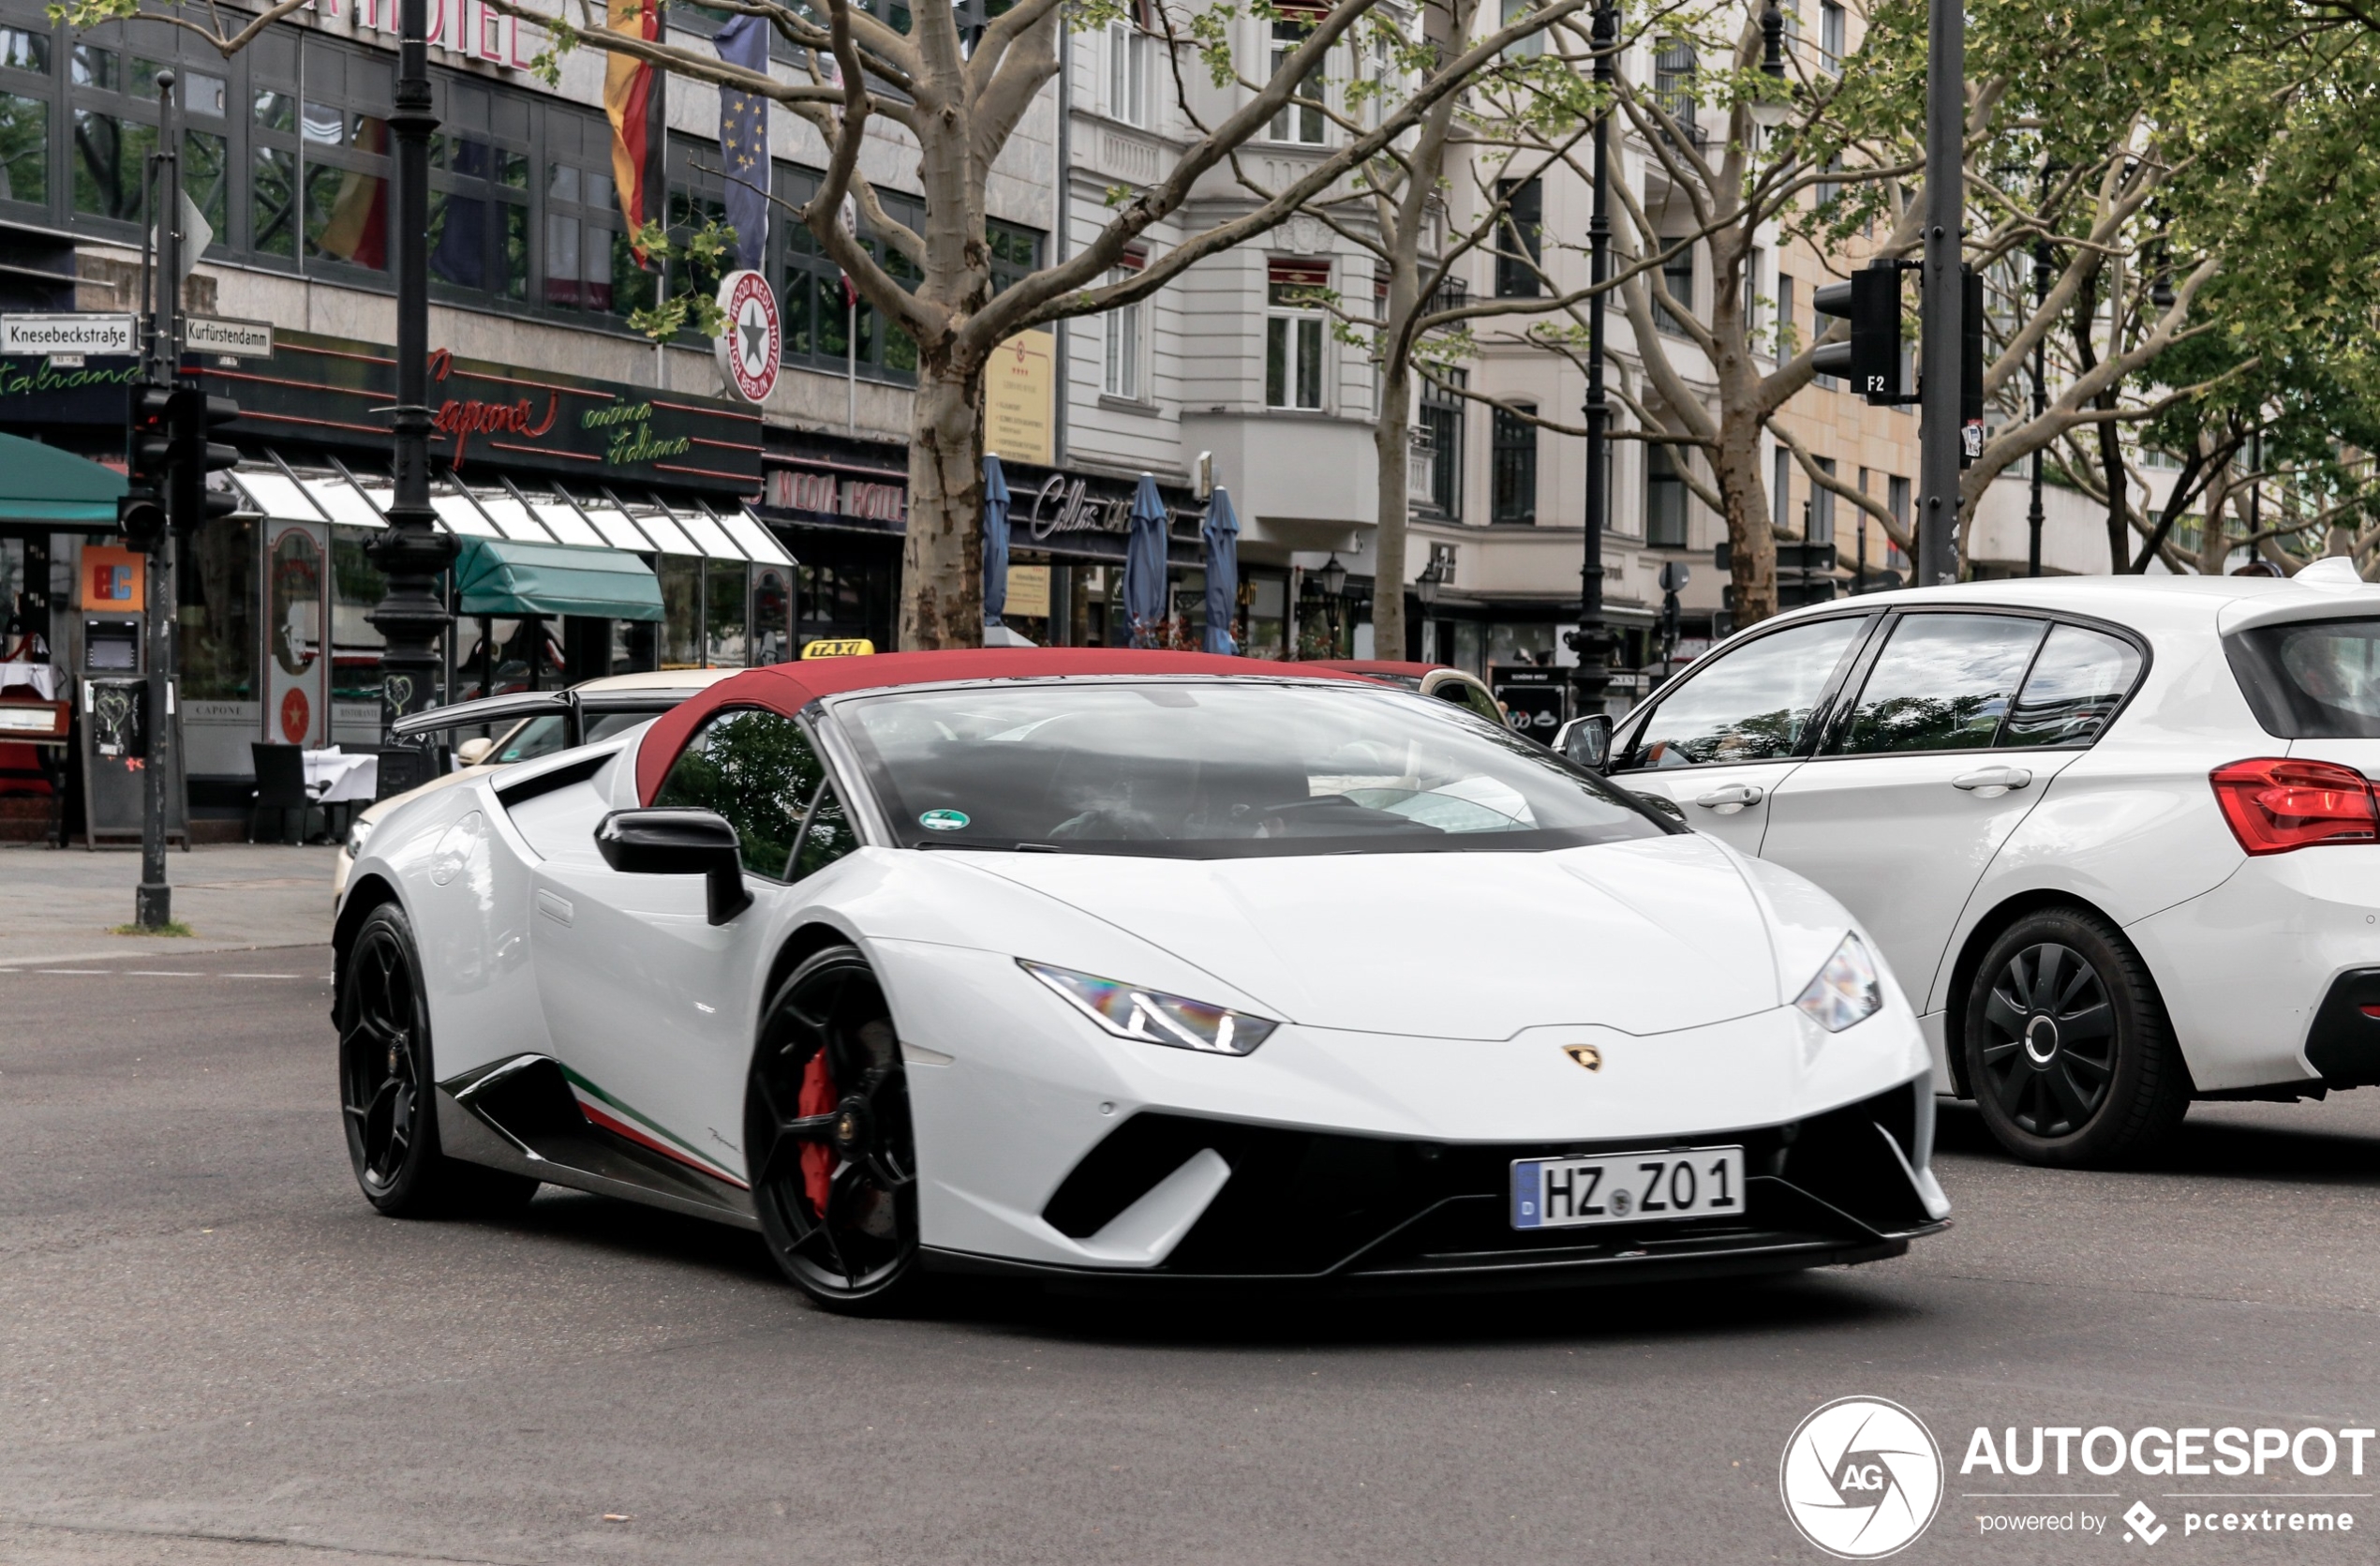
(1943, 297)
(2041, 392)
(411, 552)
(153, 899)
(1592, 640)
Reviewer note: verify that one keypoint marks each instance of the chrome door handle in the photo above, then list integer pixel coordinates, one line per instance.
(1727, 800)
(1990, 781)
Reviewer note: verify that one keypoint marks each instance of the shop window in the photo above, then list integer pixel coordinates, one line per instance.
(725, 585)
(681, 578)
(217, 588)
(1293, 333)
(357, 588)
(1664, 499)
(1299, 121)
(1519, 238)
(1512, 475)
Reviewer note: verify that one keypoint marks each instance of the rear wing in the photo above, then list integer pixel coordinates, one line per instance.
(572, 706)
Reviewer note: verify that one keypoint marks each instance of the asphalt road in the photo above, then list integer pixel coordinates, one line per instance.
(212, 1351)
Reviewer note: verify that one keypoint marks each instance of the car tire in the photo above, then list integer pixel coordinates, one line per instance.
(388, 1092)
(828, 1131)
(2068, 1049)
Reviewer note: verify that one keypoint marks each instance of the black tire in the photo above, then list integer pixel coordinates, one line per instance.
(2068, 1049)
(828, 1029)
(387, 1090)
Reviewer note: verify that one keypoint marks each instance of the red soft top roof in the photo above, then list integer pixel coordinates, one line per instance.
(789, 687)
(1377, 665)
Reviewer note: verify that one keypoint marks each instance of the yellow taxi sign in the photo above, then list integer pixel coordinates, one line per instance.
(838, 647)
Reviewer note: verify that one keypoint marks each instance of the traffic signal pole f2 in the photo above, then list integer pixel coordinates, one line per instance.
(1945, 295)
(153, 903)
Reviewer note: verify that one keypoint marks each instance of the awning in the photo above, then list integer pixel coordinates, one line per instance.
(499, 576)
(41, 484)
(594, 519)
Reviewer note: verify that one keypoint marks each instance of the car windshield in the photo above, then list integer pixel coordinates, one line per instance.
(1216, 770)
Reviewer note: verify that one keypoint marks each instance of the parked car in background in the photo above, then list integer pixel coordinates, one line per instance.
(1431, 680)
(621, 701)
(2116, 836)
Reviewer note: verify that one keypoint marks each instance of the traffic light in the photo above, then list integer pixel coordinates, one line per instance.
(196, 416)
(1870, 359)
(148, 458)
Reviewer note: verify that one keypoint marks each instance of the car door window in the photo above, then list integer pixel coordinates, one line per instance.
(826, 836)
(1751, 704)
(2075, 686)
(759, 770)
(1944, 683)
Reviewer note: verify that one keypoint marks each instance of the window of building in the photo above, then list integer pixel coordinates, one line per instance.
(1674, 301)
(1442, 423)
(1830, 37)
(1897, 501)
(587, 264)
(1129, 48)
(1752, 293)
(1519, 238)
(1528, 48)
(1787, 336)
(1780, 503)
(1664, 499)
(25, 118)
(1512, 465)
(1127, 336)
(1673, 84)
(1821, 507)
(1293, 333)
(481, 165)
(1299, 120)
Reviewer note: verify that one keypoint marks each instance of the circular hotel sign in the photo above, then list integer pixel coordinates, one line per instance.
(748, 354)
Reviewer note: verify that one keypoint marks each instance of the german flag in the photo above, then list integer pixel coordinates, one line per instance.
(628, 101)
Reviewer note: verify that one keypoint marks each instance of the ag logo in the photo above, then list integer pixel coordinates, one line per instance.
(1861, 1478)
(1585, 1054)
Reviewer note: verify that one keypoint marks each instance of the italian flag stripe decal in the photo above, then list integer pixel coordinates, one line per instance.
(600, 1109)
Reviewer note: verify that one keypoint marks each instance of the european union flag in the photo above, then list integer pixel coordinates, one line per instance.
(743, 140)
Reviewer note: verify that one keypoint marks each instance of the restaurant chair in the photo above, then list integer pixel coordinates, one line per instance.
(281, 786)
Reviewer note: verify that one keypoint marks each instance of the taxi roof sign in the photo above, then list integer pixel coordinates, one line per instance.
(843, 647)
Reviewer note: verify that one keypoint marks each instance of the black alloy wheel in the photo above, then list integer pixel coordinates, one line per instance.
(386, 1091)
(2068, 1050)
(834, 1159)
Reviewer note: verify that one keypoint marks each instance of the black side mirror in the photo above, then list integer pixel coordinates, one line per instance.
(676, 841)
(1586, 742)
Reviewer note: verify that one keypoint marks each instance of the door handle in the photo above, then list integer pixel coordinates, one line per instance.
(1991, 781)
(1727, 800)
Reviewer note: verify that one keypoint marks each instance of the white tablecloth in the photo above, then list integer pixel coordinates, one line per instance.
(342, 778)
(42, 678)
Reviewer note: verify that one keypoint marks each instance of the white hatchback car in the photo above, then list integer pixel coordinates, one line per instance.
(2113, 834)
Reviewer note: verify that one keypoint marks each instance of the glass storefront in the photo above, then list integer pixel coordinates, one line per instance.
(215, 583)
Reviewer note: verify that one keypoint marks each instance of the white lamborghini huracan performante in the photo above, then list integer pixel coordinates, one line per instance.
(1140, 968)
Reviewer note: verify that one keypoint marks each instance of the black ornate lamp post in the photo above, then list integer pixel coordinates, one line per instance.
(411, 551)
(1592, 640)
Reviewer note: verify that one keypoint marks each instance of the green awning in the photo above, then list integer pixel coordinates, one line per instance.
(41, 483)
(497, 577)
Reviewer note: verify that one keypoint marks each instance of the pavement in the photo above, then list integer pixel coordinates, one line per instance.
(212, 1351)
(57, 904)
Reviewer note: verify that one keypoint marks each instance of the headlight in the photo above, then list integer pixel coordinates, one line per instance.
(1151, 1018)
(1845, 991)
(357, 836)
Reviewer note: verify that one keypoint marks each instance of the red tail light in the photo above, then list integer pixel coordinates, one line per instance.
(2275, 805)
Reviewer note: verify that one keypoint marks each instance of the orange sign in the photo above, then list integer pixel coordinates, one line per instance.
(113, 578)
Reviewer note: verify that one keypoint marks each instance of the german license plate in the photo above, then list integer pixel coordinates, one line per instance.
(1626, 1188)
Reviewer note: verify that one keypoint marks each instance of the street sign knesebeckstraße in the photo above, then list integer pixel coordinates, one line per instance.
(66, 334)
(230, 338)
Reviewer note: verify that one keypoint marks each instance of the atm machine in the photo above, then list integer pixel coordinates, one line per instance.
(111, 664)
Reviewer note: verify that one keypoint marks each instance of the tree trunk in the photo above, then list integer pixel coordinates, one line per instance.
(1392, 441)
(942, 556)
(1751, 541)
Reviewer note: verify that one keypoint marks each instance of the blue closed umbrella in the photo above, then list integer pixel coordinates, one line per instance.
(1222, 537)
(996, 540)
(1144, 566)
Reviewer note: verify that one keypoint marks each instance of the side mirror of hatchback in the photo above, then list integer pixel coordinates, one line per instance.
(1586, 742)
(678, 841)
